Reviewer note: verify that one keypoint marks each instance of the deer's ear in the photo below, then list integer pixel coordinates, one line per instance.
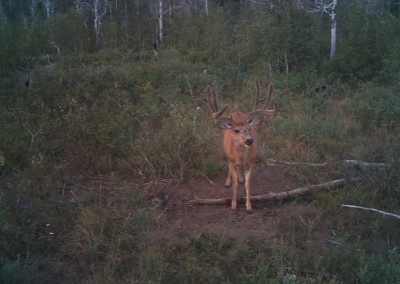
(254, 122)
(223, 124)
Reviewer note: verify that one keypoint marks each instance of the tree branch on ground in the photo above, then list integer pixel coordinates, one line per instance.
(365, 164)
(307, 190)
(273, 162)
(372, 209)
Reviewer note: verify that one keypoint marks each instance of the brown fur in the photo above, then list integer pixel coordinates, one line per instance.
(240, 139)
(241, 156)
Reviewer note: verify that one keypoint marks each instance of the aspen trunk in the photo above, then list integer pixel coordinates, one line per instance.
(97, 22)
(333, 31)
(160, 21)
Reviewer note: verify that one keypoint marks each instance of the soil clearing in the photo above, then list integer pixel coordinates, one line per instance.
(184, 220)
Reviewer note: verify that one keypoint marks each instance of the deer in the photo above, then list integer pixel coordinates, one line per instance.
(240, 140)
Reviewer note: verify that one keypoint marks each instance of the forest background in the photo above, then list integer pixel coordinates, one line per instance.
(109, 94)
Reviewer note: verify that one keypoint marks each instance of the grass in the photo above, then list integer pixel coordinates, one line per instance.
(75, 164)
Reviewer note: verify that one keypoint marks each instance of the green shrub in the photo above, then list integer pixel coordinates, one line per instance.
(377, 107)
(379, 269)
(15, 271)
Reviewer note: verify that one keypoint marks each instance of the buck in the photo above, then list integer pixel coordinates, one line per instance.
(240, 139)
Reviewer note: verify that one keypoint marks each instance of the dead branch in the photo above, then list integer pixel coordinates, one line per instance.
(272, 162)
(307, 190)
(373, 209)
(365, 164)
(33, 134)
(55, 46)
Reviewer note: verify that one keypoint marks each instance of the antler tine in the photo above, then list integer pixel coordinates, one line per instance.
(266, 101)
(257, 94)
(210, 99)
(213, 100)
(269, 98)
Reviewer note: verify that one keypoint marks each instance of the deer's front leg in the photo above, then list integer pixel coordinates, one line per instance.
(248, 175)
(229, 178)
(234, 186)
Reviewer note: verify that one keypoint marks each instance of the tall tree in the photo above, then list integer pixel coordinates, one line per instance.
(99, 9)
(160, 20)
(49, 7)
(323, 6)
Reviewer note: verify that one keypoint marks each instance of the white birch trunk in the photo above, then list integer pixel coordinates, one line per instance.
(333, 30)
(32, 8)
(49, 7)
(99, 11)
(160, 20)
(320, 6)
(97, 23)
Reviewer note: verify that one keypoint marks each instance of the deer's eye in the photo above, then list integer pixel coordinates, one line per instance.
(237, 131)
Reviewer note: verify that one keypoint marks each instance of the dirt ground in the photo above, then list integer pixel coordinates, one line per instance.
(183, 219)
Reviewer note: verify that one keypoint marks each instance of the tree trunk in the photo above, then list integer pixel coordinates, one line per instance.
(160, 20)
(99, 12)
(206, 6)
(49, 7)
(321, 6)
(333, 31)
(286, 63)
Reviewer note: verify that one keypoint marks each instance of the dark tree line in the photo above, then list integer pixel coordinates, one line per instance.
(360, 35)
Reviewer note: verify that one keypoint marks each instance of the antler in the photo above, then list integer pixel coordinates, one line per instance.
(212, 99)
(266, 101)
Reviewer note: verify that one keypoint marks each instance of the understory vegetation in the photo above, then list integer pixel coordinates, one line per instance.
(95, 127)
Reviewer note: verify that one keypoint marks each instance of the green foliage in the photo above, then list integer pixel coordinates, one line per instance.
(363, 268)
(108, 229)
(380, 269)
(173, 150)
(377, 107)
(366, 43)
(74, 35)
(14, 271)
(79, 146)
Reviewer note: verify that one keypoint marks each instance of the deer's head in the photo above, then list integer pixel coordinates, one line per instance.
(241, 125)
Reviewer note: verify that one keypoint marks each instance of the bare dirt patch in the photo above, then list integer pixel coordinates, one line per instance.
(183, 219)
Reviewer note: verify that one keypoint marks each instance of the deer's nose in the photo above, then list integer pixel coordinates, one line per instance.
(249, 141)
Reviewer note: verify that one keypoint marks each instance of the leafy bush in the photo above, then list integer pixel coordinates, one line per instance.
(377, 107)
(15, 271)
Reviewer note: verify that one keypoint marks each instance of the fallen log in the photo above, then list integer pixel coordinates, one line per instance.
(361, 164)
(307, 190)
(273, 162)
